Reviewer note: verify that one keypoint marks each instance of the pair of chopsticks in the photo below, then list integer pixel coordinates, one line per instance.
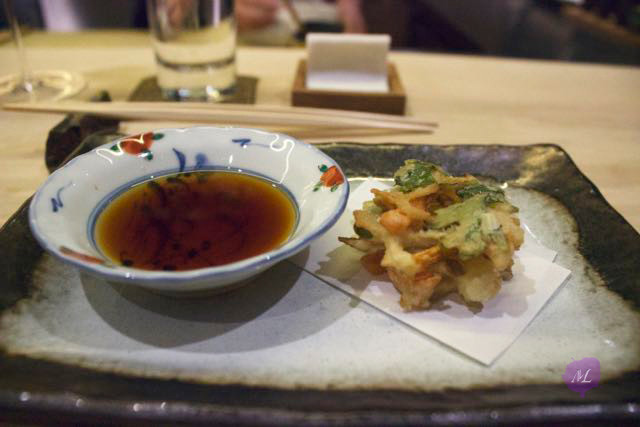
(201, 112)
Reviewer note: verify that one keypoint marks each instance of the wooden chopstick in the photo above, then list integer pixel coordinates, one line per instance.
(230, 113)
(301, 110)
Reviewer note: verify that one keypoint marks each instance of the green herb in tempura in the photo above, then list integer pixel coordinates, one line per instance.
(415, 174)
(492, 195)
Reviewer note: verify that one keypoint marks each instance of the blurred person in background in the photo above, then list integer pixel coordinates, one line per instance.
(270, 22)
(258, 14)
(251, 15)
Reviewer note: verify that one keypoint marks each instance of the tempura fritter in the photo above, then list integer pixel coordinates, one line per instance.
(434, 234)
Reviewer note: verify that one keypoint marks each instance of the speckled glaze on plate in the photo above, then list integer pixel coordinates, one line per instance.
(37, 390)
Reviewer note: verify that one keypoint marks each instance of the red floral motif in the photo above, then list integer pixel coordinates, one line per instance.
(80, 256)
(137, 144)
(331, 177)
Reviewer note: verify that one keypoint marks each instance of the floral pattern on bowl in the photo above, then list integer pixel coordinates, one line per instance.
(64, 210)
(137, 145)
(331, 177)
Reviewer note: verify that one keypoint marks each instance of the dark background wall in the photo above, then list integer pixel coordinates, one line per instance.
(604, 31)
(544, 29)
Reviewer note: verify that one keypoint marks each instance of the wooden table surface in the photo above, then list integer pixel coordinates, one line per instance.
(592, 111)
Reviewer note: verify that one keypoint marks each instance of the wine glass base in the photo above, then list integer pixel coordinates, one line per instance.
(43, 85)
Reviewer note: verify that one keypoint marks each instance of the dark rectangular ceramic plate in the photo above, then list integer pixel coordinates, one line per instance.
(53, 389)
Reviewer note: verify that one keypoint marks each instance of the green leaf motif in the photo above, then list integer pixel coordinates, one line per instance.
(157, 136)
(323, 168)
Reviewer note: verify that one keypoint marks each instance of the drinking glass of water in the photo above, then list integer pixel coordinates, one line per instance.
(194, 43)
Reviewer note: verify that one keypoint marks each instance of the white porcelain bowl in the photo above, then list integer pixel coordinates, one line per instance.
(63, 212)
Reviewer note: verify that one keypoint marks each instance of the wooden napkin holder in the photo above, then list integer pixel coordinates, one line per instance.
(392, 102)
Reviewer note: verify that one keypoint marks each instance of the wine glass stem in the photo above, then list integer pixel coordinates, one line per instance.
(25, 73)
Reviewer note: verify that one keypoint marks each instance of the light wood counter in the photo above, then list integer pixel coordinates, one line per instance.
(592, 111)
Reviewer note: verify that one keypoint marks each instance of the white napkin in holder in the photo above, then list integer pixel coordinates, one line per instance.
(349, 72)
(347, 62)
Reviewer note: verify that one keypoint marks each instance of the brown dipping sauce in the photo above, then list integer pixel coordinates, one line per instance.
(194, 220)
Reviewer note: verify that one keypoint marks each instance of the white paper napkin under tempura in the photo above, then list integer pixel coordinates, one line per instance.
(482, 334)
